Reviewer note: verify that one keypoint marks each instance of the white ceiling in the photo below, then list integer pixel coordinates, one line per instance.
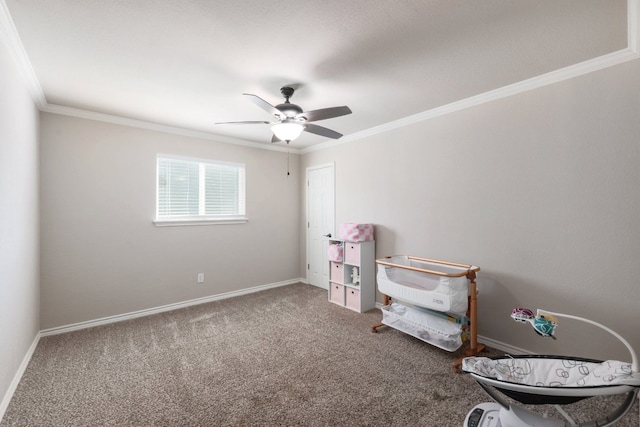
(186, 63)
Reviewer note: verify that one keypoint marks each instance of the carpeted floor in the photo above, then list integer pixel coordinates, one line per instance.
(281, 357)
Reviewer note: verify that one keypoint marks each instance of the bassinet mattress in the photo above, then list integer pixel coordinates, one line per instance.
(441, 293)
(553, 371)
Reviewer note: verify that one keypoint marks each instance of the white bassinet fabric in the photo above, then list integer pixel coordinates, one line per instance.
(553, 372)
(441, 293)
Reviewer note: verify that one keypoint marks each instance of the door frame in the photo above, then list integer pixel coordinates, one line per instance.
(331, 165)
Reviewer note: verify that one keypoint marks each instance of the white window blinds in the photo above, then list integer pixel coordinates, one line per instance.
(199, 190)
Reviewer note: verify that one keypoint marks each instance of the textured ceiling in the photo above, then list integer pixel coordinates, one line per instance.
(186, 63)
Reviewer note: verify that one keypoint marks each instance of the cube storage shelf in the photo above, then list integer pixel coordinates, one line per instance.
(360, 296)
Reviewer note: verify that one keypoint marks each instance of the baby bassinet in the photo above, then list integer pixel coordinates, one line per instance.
(434, 301)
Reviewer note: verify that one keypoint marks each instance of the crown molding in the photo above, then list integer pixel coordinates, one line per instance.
(11, 39)
(630, 53)
(142, 124)
(9, 35)
(546, 79)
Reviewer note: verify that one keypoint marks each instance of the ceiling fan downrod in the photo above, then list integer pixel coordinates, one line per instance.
(287, 92)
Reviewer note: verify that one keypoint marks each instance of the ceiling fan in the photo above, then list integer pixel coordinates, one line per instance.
(291, 120)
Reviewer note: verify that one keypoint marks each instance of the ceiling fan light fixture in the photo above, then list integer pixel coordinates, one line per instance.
(291, 119)
(287, 131)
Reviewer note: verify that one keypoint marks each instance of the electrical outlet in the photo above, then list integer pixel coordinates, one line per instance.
(200, 277)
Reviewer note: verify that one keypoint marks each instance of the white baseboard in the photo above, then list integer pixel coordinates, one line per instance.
(4, 404)
(168, 307)
(499, 345)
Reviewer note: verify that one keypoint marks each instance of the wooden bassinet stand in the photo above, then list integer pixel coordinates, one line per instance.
(416, 296)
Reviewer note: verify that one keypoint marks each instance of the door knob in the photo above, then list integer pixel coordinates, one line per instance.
(327, 235)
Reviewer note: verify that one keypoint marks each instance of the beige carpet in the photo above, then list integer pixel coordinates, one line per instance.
(281, 357)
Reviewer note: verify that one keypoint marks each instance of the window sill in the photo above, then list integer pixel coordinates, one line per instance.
(175, 222)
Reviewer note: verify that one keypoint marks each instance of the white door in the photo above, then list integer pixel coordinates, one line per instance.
(320, 223)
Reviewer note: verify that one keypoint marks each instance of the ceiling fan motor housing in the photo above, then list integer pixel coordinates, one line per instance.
(287, 108)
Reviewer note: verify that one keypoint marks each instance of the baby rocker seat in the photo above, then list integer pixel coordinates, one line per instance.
(552, 380)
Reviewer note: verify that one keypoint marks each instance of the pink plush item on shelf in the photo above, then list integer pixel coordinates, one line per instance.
(353, 232)
(336, 252)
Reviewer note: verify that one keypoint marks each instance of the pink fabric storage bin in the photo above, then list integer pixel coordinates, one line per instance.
(352, 253)
(352, 299)
(335, 252)
(354, 232)
(338, 273)
(336, 293)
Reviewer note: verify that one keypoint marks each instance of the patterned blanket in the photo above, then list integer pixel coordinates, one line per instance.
(553, 372)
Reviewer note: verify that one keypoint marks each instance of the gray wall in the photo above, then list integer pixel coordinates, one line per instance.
(101, 254)
(19, 293)
(539, 189)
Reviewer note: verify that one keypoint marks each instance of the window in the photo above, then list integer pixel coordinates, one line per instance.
(194, 192)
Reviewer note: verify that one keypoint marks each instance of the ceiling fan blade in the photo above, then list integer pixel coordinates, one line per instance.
(325, 113)
(322, 131)
(252, 122)
(263, 104)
